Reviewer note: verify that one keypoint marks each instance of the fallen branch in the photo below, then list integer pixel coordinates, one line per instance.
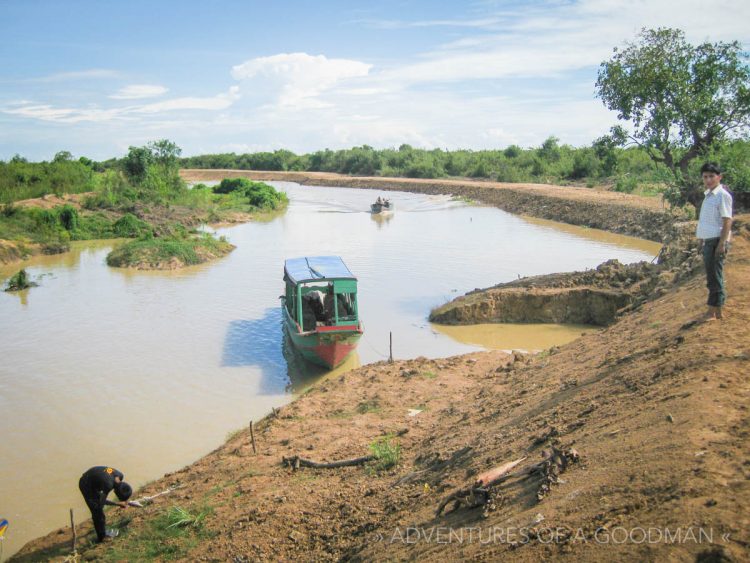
(555, 462)
(139, 503)
(488, 478)
(295, 462)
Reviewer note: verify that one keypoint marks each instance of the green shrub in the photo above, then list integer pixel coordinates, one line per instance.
(19, 281)
(626, 184)
(258, 194)
(68, 217)
(229, 185)
(9, 210)
(129, 226)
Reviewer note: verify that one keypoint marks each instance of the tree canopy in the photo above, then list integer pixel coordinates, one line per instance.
(680, 100)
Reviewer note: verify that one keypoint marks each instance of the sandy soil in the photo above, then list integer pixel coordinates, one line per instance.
(655, 406)
(51, 200)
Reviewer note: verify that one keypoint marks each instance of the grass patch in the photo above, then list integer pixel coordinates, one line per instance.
(368, 406)
(57, 226)
(19, 281)
(429, 374)
(386, 451)
(168, 252)
(169, 535)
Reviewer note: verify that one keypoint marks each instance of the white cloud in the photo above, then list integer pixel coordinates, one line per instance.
(46, 112)
(300, 77)
(479, 77)
(215, 103)
(138, 91)
(553, 38)
(77, 75)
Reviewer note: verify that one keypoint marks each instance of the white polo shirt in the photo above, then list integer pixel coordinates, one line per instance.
(717, 204)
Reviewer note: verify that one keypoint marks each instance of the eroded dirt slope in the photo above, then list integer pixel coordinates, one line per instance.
(655, 407)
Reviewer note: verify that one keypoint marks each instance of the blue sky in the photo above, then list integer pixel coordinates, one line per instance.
(94, 77)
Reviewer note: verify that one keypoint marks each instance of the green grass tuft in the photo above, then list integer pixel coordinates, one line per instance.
(386, 451)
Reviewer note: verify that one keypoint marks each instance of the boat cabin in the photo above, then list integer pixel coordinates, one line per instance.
(320, 291)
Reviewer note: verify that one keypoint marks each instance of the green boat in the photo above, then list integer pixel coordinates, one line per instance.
(320, 309)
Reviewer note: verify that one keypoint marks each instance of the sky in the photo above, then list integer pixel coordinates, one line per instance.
(95, 77)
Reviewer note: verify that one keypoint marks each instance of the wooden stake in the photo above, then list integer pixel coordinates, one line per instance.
(73, 526)
(390, 357)
(252, 437)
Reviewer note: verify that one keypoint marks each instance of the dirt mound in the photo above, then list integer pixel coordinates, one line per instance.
(655, 407)
(50, 201)
(595, 296)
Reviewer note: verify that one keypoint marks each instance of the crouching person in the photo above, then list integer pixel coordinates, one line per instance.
(95, 485)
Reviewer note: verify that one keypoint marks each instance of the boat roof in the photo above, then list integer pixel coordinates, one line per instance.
(314, 268)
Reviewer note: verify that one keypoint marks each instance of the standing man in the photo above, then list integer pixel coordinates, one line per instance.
(95, 485)
(714, 228)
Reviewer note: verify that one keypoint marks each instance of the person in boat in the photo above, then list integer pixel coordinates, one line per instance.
(95, 484)
(313, 310)
(379, 201)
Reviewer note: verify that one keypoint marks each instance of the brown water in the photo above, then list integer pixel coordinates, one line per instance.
(147, 371)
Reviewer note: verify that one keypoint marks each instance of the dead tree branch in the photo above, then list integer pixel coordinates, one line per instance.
(295, 462)
(555, 462)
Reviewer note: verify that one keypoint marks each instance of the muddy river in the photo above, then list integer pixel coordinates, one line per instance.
(148, 371)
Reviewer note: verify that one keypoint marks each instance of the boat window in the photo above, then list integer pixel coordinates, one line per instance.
(346, 305)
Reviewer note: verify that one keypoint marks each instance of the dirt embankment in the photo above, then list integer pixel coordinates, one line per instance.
(611, 211)
(655, 406)
(592, 297)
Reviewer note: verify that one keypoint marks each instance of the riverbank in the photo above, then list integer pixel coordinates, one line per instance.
(593, 297)
(643, 217)
(654, 406)
(34, 227)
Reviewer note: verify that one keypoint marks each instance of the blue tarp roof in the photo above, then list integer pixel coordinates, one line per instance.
(312, 268)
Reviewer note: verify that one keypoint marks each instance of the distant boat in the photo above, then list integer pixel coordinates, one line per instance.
(384, 206)
(320, 308)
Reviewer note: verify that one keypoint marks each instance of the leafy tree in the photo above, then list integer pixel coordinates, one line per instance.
(681, 100)
(63, 156)
(136, 163)
(165, 152)
(550, 149)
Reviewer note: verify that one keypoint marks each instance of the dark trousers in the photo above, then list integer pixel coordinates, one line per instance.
(714, 273)
(97, 510)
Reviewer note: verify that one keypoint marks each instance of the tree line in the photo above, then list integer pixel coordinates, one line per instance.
(678, 105)
(626, 169)
(603, 162)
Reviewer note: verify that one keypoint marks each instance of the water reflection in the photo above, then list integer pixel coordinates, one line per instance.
(302, 373)
(265, 344)
(382, 219)
(514, 336)
(257, 342)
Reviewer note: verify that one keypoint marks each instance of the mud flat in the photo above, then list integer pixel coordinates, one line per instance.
(627, 214)
(646, 420)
